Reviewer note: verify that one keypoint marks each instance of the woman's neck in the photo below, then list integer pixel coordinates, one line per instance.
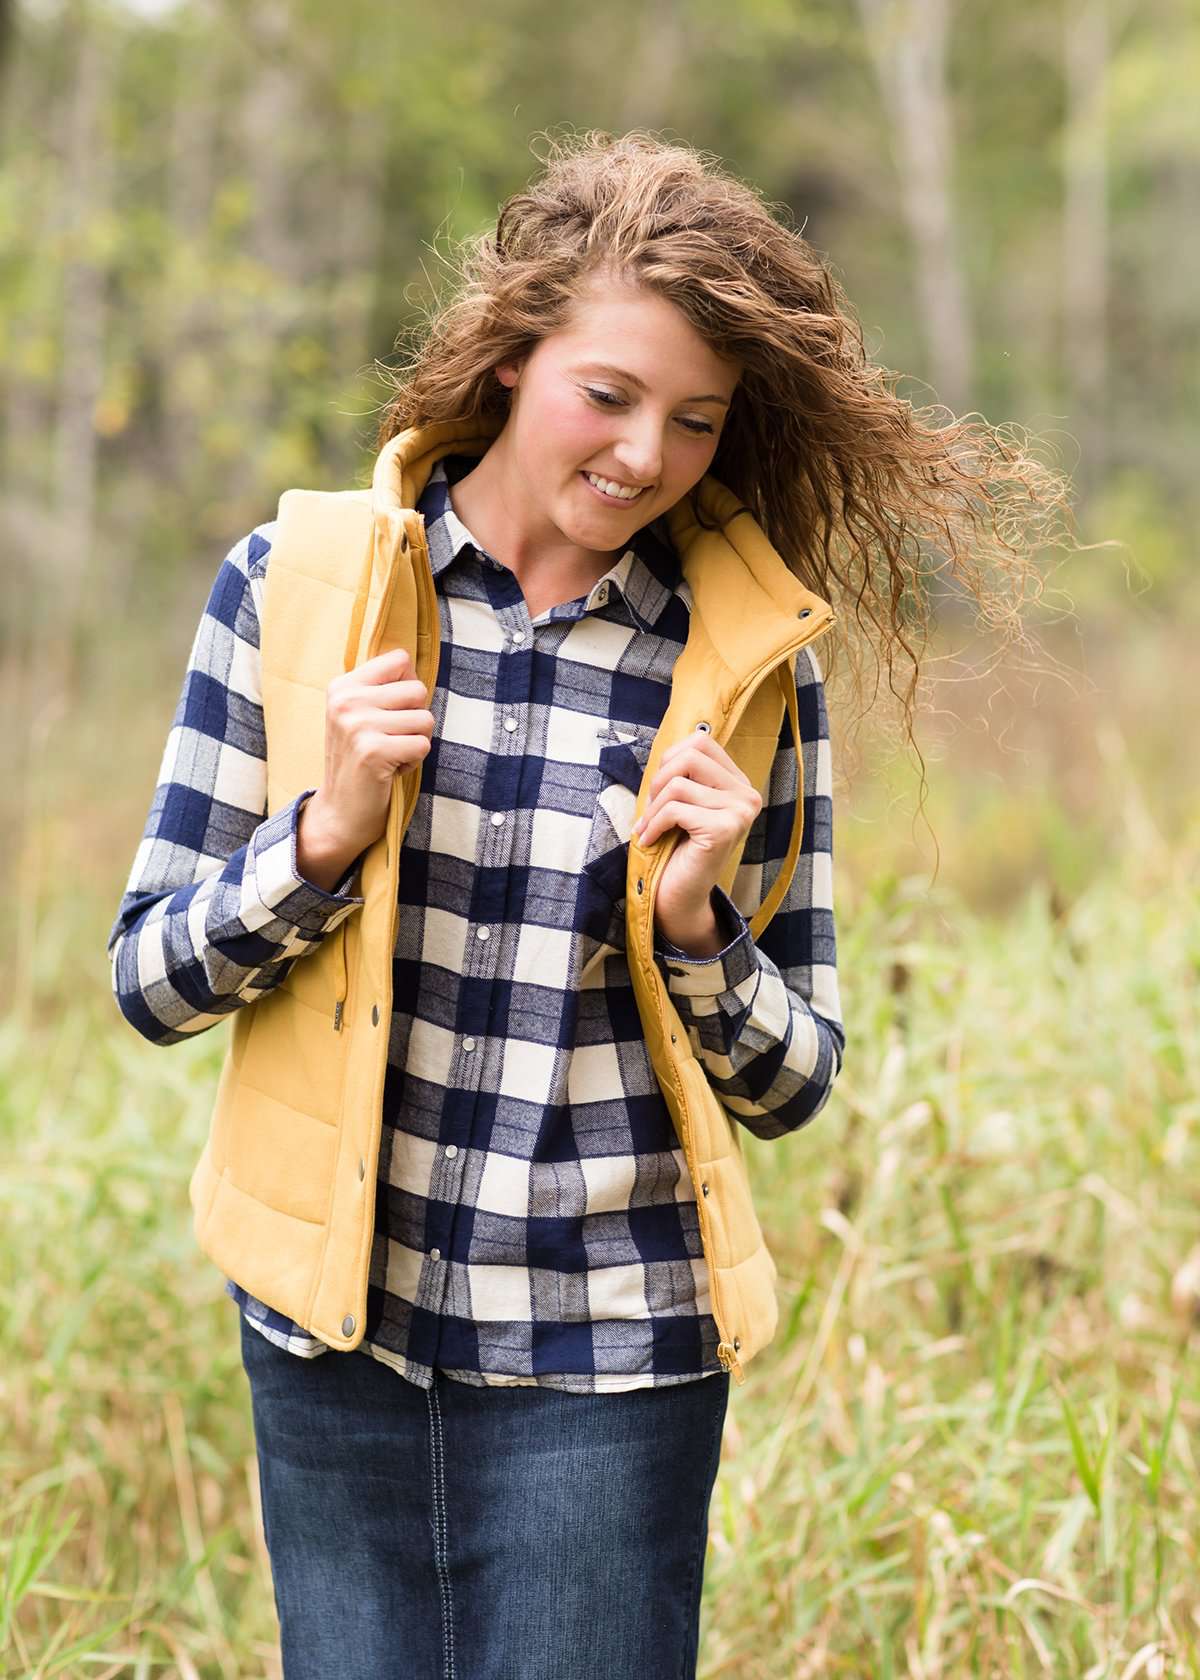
(492, 505)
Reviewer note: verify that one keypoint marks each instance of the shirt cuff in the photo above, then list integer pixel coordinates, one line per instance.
(707, 976)
(279, 886)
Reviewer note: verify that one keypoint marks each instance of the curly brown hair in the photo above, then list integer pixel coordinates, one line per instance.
(865, 497)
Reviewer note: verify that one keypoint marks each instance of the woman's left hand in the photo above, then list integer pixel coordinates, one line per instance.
(698, 788)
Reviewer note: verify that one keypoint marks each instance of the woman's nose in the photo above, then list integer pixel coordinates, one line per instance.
(640, 455)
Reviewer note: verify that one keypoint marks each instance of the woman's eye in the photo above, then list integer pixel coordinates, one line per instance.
(610, 400)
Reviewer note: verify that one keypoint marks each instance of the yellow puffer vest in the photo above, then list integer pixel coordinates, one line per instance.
(283, 1195)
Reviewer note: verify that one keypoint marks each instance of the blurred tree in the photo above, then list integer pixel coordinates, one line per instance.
(83, 233)
(907, 42)
(8, 13)
(216, 218)
(1085, 242)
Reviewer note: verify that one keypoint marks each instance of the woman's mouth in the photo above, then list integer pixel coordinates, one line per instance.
(610, 491)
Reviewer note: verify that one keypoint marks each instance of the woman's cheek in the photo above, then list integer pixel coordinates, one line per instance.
(578, 434)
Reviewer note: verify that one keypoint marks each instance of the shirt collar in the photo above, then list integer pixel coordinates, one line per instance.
(646, 576)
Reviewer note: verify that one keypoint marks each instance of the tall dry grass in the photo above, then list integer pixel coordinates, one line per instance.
(971, 1449)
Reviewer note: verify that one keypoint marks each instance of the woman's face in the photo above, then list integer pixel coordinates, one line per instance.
(615, 416)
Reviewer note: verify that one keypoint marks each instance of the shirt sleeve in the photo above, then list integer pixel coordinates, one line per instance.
(215, 912)
(764, 1018)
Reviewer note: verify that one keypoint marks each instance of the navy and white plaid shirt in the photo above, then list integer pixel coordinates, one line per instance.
(535, 1221)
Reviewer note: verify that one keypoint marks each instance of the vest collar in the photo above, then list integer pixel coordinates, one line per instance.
(741, 587)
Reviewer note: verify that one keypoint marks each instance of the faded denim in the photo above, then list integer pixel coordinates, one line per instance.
(465, 1533)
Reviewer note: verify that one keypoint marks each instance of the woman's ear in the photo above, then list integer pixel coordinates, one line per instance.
(508, 373)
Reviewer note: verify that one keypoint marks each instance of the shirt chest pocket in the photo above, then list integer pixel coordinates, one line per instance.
(621, 764)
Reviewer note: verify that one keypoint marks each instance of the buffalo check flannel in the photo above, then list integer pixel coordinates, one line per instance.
(535, 1222)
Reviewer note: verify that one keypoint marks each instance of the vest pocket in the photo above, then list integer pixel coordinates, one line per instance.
(319, 980)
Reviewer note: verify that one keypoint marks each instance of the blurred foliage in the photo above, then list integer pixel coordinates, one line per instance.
(213, 219)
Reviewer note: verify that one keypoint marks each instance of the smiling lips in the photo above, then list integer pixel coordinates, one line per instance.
(611, 490)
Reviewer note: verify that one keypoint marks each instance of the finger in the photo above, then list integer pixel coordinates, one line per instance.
(700, 741)
(700, 768)
(386, 667)
(392, 695)
(675, 813)
(383, 752)
(683, 793)
(407, 722)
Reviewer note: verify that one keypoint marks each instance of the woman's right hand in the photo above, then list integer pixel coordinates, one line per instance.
(376, 723)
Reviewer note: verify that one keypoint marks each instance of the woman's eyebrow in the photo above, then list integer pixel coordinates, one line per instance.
(632, 379)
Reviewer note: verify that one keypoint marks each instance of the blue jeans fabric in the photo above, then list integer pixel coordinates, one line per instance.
(463, 1533)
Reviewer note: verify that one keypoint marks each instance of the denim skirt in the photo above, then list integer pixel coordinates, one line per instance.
(464, 1533)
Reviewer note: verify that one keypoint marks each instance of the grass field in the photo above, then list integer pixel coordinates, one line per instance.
(971, 1449)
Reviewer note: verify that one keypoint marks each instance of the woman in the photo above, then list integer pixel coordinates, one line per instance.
(516, 1480)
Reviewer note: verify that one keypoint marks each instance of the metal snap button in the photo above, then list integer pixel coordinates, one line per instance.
(362, 1168)
(737, 1342)
(403, 550)
(348, 1325)
(705, 728)
(639, 883)
(374, 1014)
(704, 1189)
(805, 612)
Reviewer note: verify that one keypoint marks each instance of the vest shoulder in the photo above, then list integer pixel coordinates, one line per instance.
(332, 498)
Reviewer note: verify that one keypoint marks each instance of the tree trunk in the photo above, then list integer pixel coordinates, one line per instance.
(86, 194)
(654, 68)
(907, 43)
(1085, 232)
(191, 174)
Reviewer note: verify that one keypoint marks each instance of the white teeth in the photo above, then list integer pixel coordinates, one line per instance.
(611, 489)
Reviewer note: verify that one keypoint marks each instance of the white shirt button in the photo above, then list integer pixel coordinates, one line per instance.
(602, 593)
(497, 818)
(451, 1151)
(510, 724)
(518, 635)
(435, 1254)
(468, 1044)
(483, 933)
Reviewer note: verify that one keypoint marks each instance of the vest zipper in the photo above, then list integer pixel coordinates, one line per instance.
(340, 982)
(726, 1350)
(384, 610)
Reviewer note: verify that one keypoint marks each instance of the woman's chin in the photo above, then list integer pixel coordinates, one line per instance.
(598, 536)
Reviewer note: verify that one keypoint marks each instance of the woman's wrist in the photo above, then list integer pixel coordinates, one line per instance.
(321, 858)
(698, 935)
